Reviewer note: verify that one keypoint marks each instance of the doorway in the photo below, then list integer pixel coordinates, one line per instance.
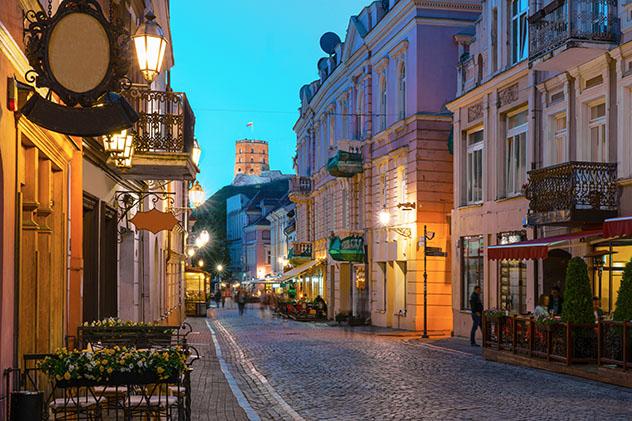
(554, 273)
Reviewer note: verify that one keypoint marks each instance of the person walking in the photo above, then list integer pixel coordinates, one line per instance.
(241, 302)
(477, 312)
(218, 298)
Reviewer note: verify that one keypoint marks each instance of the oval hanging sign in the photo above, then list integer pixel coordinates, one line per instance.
(77, 53)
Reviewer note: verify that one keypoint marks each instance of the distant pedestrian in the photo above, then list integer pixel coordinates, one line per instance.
(223, 300)
(218, 298)
(241, 302)
(477, 312)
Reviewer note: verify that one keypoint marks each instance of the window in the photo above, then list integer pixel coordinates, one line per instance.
(383, 99)
(471, 267)
(519, 25)
(512, 294)
(494, 36)
(558, 142)
(474, 167)
(359, 106)
(402, 182)
(597, 126)
(332, 132)
(269, 257)
(252, 150)
(345, 123)
(515, 153)
(402, 91)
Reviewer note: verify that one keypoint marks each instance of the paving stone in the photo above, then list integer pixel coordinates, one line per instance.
(329, 373)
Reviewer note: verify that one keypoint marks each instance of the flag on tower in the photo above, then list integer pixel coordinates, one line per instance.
(250, 124)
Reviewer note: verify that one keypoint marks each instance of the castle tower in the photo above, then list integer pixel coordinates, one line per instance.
(251, 157)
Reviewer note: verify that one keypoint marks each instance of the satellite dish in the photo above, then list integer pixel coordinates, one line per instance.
(328, 42)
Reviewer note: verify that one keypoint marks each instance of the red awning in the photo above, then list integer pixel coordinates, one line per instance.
(618, 227)
(535, 249)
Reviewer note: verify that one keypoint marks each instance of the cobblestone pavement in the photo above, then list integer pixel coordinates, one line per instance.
(211, 395)
(290, 370)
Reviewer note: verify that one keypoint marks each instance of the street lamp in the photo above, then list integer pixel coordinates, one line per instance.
(205, 237)
(117, 142)
(427, 237)
(219, 268)
(196, 152)
(384, 217)
(201, 263)
(151, 44)
(196, 195)
(190, 252)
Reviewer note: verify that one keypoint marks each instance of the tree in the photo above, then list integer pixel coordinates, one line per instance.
(577, 307)
(624, 297)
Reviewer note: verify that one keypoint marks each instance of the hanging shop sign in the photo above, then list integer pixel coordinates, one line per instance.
(82, 58)
(154, 221)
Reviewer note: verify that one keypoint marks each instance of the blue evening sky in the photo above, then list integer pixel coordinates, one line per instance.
(245, 60)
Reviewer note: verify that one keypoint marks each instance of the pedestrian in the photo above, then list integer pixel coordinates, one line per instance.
(541, 312)
(241, 302)
(218, 298)
(223, 300)
(477, 312)
(555, 302)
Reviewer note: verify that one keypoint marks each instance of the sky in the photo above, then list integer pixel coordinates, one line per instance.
(243, 61)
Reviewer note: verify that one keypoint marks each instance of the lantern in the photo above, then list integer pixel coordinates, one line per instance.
(196, 151)
(384, 217)
(116, 143)
(150, 44)
(196, 195)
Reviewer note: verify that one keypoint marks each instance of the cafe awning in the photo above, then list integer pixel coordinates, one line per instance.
(293, 273)
(618, 227)
(537, 248)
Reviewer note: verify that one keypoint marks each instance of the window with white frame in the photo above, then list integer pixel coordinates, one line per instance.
(519, 30)
(402, 91)
(402, 182)
(558, 139)
(597, 126)
(474, 167)
(515, 153)
(344, 117)
(359, 113)
(383, 102)
(332, 129)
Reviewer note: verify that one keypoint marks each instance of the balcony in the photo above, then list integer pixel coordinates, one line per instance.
(300, 189)
(567, 33)
(348, 249)
(163, 136)
(300, 253)
(346, 160)
(573, 193)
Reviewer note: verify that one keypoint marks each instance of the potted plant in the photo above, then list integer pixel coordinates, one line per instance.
(577, 310)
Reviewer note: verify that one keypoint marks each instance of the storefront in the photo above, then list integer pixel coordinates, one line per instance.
(197, 292)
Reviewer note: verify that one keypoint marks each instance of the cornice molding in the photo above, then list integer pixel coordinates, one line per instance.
(450, 5)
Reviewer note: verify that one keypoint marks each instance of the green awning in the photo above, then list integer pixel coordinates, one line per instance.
(348, 249)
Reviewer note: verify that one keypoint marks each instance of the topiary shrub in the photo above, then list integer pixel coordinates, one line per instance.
(577, 307)
(623, 311)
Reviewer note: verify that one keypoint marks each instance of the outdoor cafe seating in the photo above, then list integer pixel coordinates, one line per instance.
(116, 371)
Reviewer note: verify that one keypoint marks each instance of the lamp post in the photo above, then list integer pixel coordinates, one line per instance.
(427, 237)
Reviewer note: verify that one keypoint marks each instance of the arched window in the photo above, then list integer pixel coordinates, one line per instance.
(252, 171)
(359, 111)
(402, 91)
(252, 150)
(238, 169)
(383, 102)
(252, 160)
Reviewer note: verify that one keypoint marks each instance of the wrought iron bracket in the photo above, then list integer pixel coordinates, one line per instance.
(404, 232)
(128, 200)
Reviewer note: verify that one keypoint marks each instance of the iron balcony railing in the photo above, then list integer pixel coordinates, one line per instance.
(300, 185)
(571, 189)
(166, 122)
(563, 21)
(300, 252)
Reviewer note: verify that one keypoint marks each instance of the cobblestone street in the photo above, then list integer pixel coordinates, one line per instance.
(291, 370)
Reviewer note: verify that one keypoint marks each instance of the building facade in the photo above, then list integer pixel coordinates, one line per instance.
(541, 140)
(373, 163)
(63, 251)
(251, 157)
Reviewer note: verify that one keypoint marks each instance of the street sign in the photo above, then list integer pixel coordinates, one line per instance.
(435, 252)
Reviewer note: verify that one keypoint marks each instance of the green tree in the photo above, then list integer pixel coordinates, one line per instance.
(577, 307)
(624, 296)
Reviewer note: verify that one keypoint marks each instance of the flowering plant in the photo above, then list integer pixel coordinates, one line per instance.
(495, 313)
(101, 365)
(115, 322)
